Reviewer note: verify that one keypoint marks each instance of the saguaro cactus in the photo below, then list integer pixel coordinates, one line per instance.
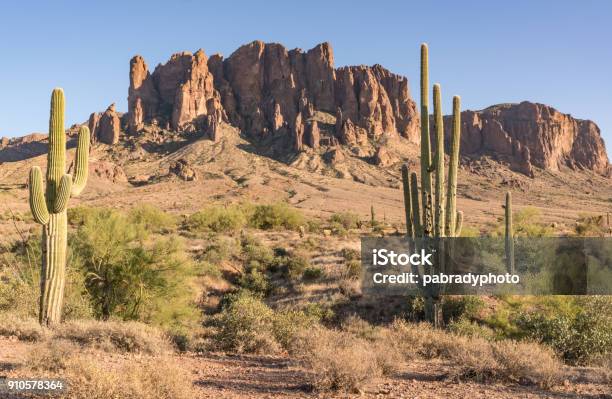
(437, 215)
(49, 205)
(509, 234)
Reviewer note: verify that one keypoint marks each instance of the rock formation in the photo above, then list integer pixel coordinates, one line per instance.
(529, 134)
(262, 87)
(108, 128)
(265, 89)
(175, 94)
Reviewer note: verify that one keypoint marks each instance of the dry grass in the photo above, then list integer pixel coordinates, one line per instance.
(24, 329)
(340, 361)
(124, 336)
(89, 378)
(477, 358)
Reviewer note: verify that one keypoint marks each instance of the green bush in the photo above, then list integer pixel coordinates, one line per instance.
(276, 216)
(20, 282)
(152, 218)
(247, 325)
(218, 250)
(218, 219)
(295, 265)
(588, 225)
(580, 338)
(348, 220)
(129, 277)
(350, 254)
(468, 307)
(255, 281)
(313, 273)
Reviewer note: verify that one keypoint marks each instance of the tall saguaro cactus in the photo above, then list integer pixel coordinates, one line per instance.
(426, 166)
(509, 234)
(437, 215)
(49, 205)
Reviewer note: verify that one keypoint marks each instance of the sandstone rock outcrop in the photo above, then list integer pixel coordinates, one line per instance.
(108, 128)
(262, 87)
(175, 94)
(530, 134)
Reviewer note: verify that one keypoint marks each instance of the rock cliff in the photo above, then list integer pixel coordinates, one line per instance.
(261, 88)
(530, 134)
(266, 90)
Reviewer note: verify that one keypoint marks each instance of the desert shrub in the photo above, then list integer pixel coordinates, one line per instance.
(128, 336)
(353, 269)
(130, 278)
(350, 254)
(255, 281)
(24, 329)
(205, 268)
(218, 250)
(20, 269)
(218, 219)
(360, 328)
(256, 254)
(245, 325)
(159, 378)
(295, 265)
(469, 328)
(347, 220)
(77, 215)
(526, 363)
(338, 360)
(579, 337)
(276, 216)
(467, 307)
(478, 358)
(589, 225)
(288, 324)
(51, 356)
(313, 273)
(152, 218)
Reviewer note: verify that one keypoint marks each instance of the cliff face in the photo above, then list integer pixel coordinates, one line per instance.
(529, 134)
(261, 88)
(265, 89)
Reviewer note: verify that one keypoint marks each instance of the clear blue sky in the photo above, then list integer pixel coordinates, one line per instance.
(555, 52)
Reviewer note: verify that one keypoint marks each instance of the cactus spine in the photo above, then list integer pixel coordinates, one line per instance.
(509, 234)
(49, 205)
(437, 218)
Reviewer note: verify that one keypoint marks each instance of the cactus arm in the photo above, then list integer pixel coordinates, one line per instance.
(81, 162)
(451, 192)
(439, 164)
(458, 223)
(38, 204)
(63, 194)
(407, 200)
(416, 213)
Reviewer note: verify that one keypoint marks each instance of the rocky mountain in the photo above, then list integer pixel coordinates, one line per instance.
(300, 102)
(528, 134)
(265, 89)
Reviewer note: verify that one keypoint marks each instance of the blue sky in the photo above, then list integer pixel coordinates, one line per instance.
(555, 52)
